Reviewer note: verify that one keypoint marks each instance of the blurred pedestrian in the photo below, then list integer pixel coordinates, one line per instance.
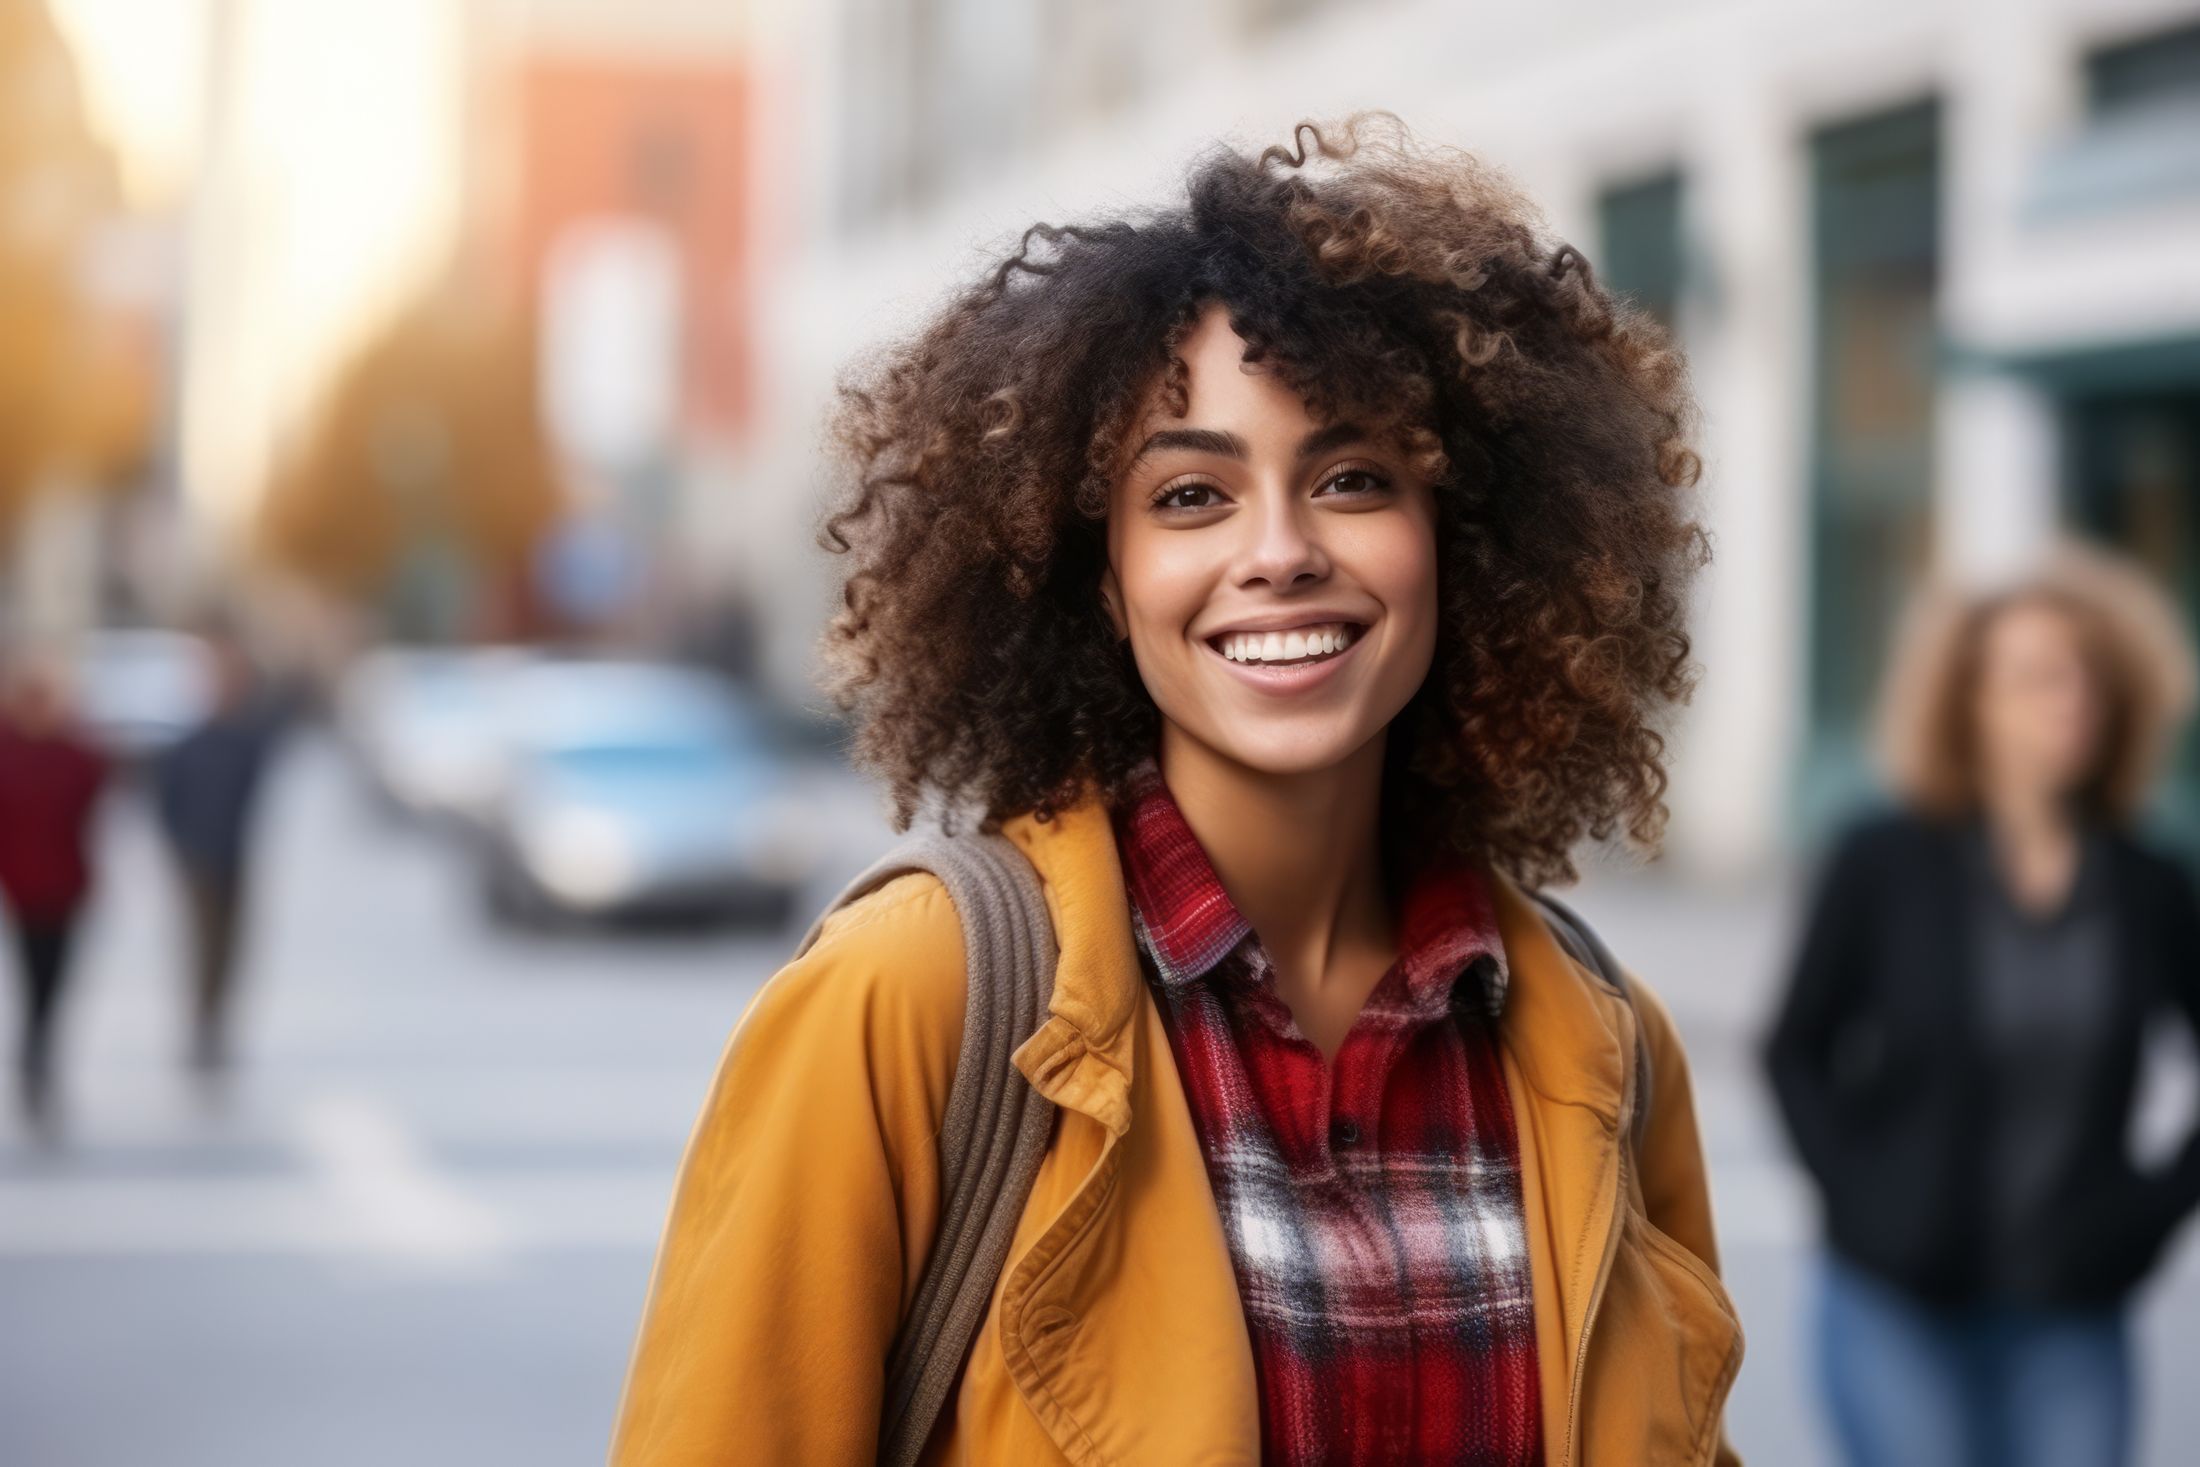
(1957, 1051)
(205, 786)
(50, 780)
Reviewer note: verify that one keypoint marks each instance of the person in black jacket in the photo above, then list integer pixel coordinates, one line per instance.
(1956, 1054)
(205, 786)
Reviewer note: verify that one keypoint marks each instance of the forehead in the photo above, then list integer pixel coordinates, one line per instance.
(1221, 389)
(1220, 382)
(1250, 404)
(2033, 629)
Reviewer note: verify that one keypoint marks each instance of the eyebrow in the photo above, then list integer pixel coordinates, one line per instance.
(1226, 444)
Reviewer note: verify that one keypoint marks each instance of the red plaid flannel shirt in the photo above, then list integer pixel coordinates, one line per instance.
(1372, 1209)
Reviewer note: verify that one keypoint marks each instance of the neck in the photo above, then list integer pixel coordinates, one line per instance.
(2024, 811)
(1300, 854)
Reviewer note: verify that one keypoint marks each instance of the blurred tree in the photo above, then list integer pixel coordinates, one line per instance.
(426, 467)
(76, 392)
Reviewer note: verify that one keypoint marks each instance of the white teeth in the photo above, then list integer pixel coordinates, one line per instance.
(1300, 642)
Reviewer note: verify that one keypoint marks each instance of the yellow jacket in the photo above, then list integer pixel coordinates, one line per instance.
(809, 1196)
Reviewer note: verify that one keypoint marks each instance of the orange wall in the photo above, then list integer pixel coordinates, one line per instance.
(664, 140)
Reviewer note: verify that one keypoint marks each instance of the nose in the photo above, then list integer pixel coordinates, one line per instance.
(1281, 548)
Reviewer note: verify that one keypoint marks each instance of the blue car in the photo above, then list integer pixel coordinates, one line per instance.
(634, 790)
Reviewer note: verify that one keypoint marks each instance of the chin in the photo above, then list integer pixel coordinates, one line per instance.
(1285, 752)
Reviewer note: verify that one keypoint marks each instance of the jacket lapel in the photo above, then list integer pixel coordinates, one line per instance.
(1566, 1046)
(1121, 1321)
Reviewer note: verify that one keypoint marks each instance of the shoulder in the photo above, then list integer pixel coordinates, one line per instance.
(878, 996)
(80, 759)
(913, 904)
(2166, 867)
(1880, 843)
(1660, 1035)
(859, 1033)
(1883, 828)
(1653, 1020)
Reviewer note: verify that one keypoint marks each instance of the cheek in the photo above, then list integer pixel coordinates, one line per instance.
(1165, 581)
(1395, 559)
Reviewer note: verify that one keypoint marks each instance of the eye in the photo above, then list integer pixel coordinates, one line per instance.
(1187, 494)
(1355, 481)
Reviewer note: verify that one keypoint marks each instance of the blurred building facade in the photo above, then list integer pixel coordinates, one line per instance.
(79, 357)
(1932, 259)
(577, 358)
(624, 217)
(362, 219)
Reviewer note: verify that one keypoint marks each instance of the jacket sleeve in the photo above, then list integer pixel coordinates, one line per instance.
(2180, 1184)
(1676, 1181)
(1821, 997)
(806, 1201)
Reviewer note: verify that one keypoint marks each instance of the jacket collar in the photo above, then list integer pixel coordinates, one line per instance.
(1560, 1020)
(1450, 951)
(1082, 1056)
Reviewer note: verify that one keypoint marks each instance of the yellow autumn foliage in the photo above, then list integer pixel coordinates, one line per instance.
(431, 431)
(76, 380)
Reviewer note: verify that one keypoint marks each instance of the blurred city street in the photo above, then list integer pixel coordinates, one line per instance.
(418, 1228)
(442, 407)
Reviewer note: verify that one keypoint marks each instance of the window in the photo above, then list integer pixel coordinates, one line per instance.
(1875, 237)
(2132, 475)
(1639, 244)
(2163, 67)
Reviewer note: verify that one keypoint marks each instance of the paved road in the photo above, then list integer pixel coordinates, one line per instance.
(418, 1226)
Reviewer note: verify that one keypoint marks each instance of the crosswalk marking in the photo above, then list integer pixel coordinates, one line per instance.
(363, 1186)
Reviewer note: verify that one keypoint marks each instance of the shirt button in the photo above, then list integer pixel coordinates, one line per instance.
(1348, 1133)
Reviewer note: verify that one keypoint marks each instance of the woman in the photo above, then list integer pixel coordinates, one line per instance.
(1294, 576)
(50, 782)
(1957, 1049)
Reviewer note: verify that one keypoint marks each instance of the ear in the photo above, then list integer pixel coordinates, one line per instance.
(1111, 601)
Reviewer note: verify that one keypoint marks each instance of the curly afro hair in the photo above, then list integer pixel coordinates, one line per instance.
(1407, 287)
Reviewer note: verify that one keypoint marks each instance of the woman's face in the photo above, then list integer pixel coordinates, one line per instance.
(2037, 710)
(1276, 576)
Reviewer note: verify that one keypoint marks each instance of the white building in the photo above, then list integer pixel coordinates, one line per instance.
(1937, 263)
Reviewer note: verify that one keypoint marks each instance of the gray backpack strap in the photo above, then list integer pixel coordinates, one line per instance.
(1581, 941)
(995, 1132)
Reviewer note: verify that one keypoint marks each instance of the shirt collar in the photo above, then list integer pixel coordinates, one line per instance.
(1186, 922)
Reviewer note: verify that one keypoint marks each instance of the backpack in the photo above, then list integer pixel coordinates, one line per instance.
(995, 1132)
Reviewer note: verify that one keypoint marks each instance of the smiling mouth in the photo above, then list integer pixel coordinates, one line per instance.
(1298, 647)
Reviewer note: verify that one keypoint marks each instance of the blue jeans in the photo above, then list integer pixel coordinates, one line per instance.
(1993, 1385)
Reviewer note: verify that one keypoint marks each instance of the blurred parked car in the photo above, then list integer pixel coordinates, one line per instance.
(427, 725)
(636, 789)
(138, 689)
